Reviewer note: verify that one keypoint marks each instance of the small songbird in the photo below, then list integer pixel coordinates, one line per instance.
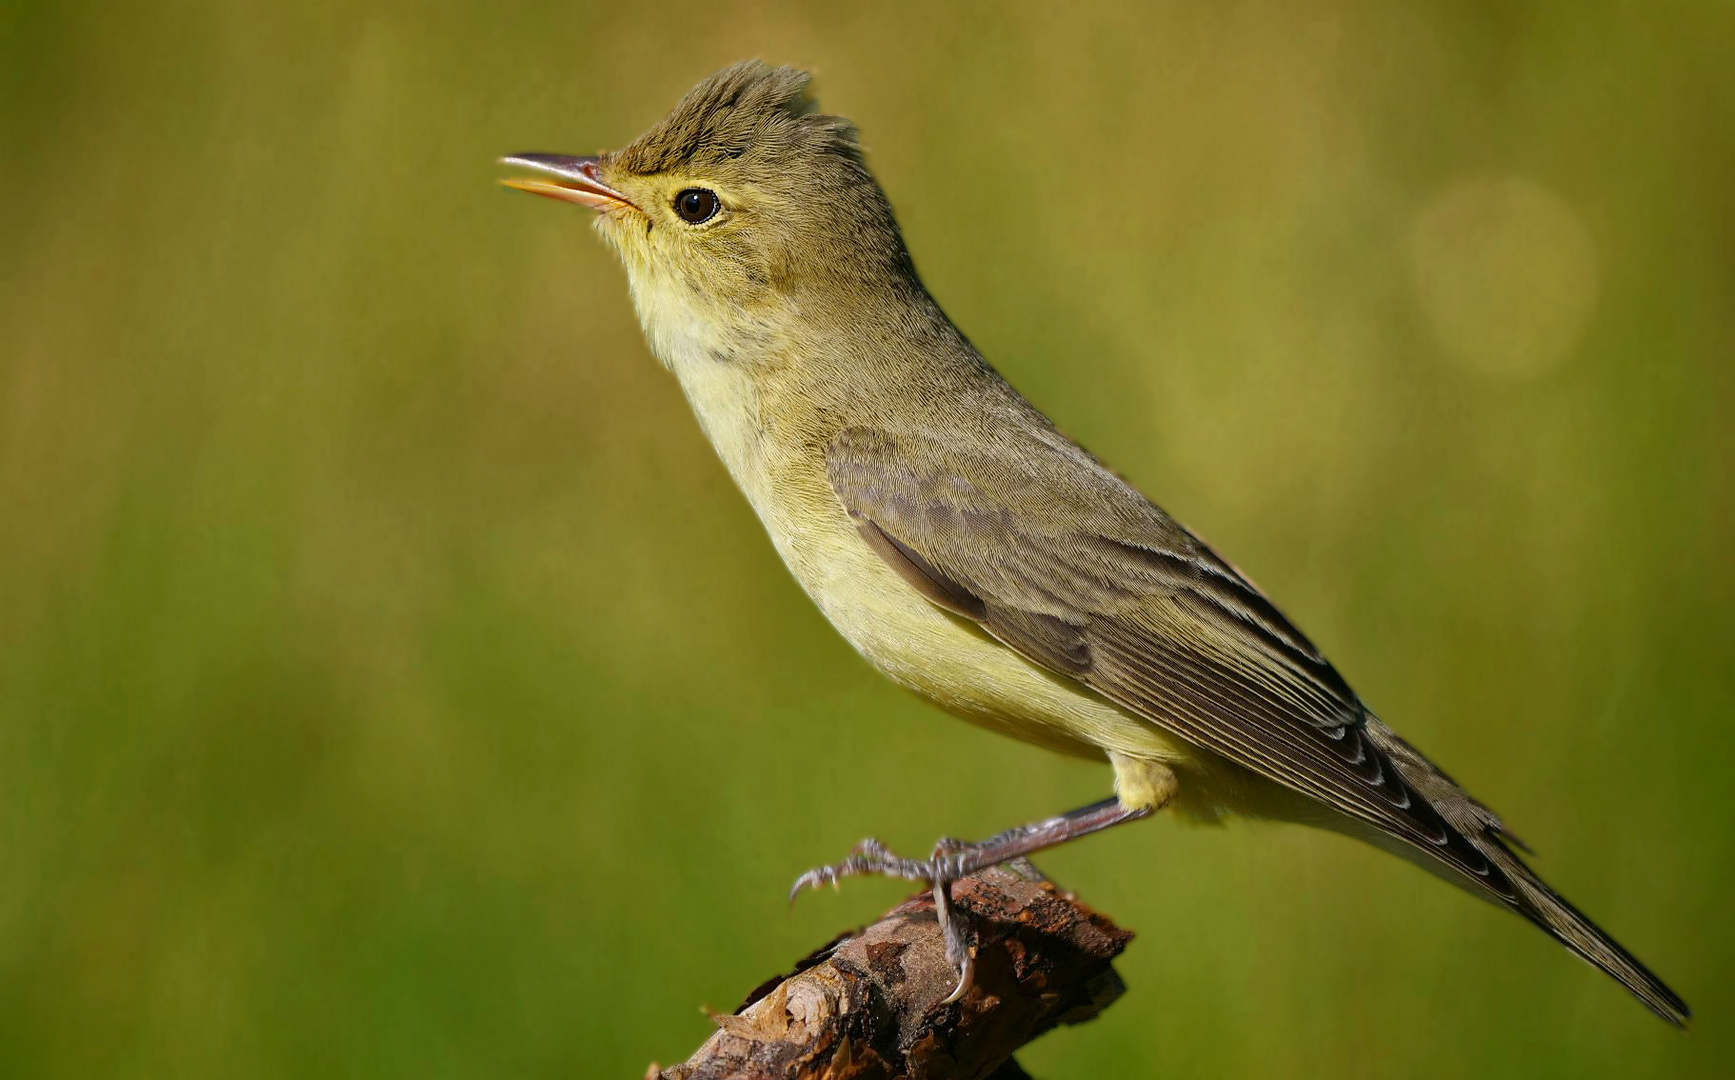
(969, 550)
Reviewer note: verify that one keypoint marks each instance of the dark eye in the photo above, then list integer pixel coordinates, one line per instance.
(696, 204)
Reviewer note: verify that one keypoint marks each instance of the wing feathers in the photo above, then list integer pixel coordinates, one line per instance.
(920, 573)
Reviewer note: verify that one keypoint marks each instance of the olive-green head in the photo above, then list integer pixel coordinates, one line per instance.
(740, 199)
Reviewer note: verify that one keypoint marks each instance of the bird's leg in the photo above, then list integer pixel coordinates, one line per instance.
(954, 859)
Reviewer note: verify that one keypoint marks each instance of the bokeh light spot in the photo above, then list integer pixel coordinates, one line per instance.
(1506, 272)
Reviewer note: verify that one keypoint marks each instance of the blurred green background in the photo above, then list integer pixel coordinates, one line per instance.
(392, 683)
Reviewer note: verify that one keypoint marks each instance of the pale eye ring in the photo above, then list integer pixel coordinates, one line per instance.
(697, 205)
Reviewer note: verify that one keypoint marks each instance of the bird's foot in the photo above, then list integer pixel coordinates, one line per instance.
(950, 861)
(954, 859)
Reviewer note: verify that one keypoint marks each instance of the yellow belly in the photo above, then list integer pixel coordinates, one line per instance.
(949, 660)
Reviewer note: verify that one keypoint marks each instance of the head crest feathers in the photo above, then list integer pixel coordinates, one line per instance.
(747, 110)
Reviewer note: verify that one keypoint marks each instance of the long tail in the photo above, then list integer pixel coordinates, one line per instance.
(1567, 925)
(1526, 893)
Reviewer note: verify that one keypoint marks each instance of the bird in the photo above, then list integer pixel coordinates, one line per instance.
(971, 551)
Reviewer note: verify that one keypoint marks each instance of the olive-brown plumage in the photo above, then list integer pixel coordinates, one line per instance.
(967, 548)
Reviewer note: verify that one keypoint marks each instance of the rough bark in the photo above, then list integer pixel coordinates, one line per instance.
(869, 1006)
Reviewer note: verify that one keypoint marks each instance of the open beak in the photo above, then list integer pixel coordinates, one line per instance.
(570, 179)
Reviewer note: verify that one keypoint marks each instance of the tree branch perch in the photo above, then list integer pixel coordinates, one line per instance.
(867, 1006)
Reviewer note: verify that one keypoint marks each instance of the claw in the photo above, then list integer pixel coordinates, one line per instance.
(809, 880)
(966, 977)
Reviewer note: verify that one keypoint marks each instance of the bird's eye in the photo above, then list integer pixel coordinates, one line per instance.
(695, 205)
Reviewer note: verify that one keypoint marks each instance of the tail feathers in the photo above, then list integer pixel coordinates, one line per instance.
(1526, 894)
(1567, 925)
